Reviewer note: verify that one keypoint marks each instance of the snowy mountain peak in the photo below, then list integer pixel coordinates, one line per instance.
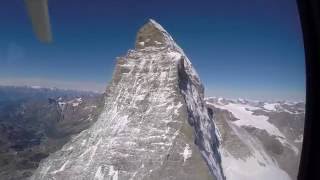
(154, 123)
(152, 34)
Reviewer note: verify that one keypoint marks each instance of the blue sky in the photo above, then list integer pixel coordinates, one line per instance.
(240, 48)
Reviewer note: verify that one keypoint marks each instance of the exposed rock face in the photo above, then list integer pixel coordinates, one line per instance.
(260, 140)
(154, 125)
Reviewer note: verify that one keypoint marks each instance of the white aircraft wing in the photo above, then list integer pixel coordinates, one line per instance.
(39, 15)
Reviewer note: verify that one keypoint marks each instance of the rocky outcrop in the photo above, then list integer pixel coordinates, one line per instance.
(154, 124)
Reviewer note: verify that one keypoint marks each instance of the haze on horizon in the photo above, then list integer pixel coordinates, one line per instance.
(241, 49)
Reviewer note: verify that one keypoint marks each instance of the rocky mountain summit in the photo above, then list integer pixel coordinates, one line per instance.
(154, 124)
(260, 140)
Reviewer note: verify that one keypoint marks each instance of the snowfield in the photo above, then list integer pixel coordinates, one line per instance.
(246, 118)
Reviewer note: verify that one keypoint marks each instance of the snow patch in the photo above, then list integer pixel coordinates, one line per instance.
(157, 42)
(187, 153)
(75, 104)
(251, 169)
(174, 55)
(141, 43)
(61, 104)
(271, 106)
(113, 173)
(61, 168)
(99, 175)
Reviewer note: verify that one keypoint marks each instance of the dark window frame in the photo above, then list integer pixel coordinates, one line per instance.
(309, 11)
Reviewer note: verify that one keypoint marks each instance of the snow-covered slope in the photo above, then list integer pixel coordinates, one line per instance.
(154, 125)
(260, 140)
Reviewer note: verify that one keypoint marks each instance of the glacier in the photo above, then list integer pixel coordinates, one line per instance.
(260, 140)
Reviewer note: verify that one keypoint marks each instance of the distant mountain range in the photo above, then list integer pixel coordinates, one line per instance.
(35, 122)
(258, 137)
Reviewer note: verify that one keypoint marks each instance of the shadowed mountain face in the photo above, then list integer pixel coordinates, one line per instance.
(37, 122)
(260, 140)
(154, 124)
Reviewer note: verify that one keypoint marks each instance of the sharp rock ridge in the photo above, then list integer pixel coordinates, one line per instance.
(153, 34)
